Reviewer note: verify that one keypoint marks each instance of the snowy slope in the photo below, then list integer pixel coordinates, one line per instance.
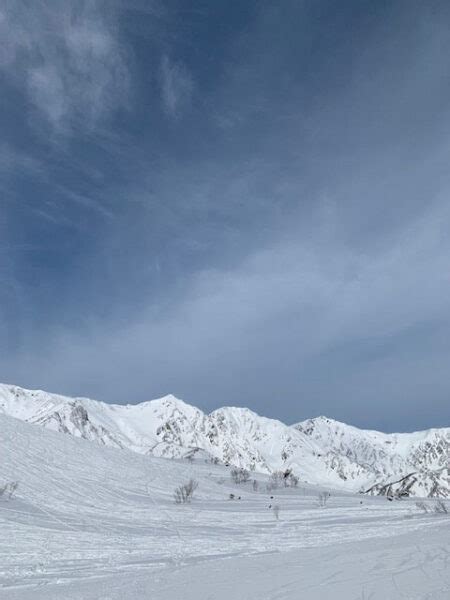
(319, 451)
(372, 458)
(89, 522)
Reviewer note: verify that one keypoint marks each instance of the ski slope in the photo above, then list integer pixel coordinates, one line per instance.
(98, 523)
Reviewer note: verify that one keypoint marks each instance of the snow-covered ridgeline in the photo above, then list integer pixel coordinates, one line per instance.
(320, 450)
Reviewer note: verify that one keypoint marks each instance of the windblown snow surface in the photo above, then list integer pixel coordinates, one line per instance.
(92, 522)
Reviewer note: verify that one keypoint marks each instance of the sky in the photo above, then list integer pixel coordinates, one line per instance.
(240, 203)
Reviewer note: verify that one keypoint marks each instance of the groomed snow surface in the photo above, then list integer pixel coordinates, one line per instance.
(96, 523)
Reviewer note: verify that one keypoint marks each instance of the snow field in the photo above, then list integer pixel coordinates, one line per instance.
(96, 522)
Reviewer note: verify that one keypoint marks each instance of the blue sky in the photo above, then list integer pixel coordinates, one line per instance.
(240, 203)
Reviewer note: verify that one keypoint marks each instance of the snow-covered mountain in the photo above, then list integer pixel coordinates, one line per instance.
(83, 521)
(378, 460)
(320, 451)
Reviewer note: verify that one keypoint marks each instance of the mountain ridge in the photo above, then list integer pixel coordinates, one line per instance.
(318, 450)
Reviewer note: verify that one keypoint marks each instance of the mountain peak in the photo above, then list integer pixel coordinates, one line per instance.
(319, 450)
(167, 400)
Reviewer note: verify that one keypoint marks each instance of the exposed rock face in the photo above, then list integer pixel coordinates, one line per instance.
(434, 484)
(319, 450)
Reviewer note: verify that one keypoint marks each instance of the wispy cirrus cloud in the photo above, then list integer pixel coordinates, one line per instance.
(68, 57)
(12, 160)
(177, 86)
(287, 242)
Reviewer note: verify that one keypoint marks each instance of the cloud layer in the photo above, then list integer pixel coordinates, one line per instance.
(265, 225)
